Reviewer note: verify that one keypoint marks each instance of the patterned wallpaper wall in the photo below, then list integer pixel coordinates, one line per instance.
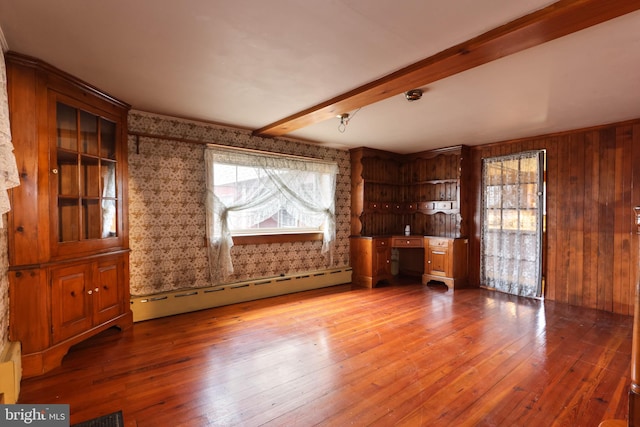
(167, 214)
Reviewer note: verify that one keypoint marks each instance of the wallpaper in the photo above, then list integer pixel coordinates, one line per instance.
(167, 213)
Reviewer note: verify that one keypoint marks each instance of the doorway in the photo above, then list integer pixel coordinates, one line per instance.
(512, 223)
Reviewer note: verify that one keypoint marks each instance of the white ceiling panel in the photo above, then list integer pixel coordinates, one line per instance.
(248, 63)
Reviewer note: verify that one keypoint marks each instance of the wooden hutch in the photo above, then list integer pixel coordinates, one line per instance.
(425, 191)
(67, 230)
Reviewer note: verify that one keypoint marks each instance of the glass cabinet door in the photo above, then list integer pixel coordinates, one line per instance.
(86, 170)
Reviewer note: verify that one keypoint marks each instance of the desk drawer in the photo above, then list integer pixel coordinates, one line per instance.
(440, 243)
(407, 242)
(380, 242)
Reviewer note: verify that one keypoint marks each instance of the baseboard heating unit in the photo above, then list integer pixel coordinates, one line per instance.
(10, 372)
(187, 300)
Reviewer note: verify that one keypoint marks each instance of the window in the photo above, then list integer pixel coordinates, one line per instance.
(264, 193)
(235, 184)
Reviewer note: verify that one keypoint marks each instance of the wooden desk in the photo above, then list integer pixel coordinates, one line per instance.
(444, 259)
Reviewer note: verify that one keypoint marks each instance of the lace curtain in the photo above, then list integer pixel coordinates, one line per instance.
(283, 183)
(8, 169)
(512, 223)
(108, 201)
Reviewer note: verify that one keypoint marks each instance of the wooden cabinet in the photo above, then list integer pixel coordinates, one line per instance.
(86, 295)
(425, 190)
(378, 194)
(445, 261)
(370, 261)
(67, 231)
(437, 186)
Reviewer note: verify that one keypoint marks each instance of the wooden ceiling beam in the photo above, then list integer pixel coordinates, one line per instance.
(554, 21)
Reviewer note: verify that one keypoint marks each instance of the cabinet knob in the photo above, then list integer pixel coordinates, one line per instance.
(96, 290)
(89, 291)
(54, 171)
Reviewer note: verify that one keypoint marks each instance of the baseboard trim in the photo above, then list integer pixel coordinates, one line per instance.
(187, 300)
(10, 372)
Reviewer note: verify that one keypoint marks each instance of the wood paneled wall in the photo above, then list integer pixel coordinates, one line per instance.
(592, 184)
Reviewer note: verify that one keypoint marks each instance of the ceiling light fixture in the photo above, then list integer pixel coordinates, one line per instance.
(344, 121)
(345, 118)
(413, 95)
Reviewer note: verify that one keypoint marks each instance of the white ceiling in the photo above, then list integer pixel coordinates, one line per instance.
(249, 63)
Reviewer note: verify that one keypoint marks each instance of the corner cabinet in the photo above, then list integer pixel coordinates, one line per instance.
(67, 230)
(437, 187)
(378, 194)
(426, 191)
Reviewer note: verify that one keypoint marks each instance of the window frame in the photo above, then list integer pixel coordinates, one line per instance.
(258, 239)
(275, 235)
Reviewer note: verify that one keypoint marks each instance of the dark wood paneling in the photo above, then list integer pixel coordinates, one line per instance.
(550, 251)
(423, 190)
(592, 185)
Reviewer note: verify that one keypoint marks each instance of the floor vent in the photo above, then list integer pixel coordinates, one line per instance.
(176, 302)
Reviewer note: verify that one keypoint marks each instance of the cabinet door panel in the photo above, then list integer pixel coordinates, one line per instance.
(29, 320)
(107, 296)
(88, 193)
(438, 262)
(70, 301)
(382, 263)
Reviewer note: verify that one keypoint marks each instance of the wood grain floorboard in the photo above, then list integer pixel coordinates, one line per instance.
(402, 354)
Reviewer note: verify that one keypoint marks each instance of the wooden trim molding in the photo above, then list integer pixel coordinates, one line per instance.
(276, 238)
(552, 22)
(62, 77)
(634, 389)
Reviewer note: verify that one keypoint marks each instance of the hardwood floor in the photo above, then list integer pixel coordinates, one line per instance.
(398, 355)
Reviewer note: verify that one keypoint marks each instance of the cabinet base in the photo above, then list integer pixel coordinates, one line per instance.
(34, 364)
(369, 282)
(451, 282)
